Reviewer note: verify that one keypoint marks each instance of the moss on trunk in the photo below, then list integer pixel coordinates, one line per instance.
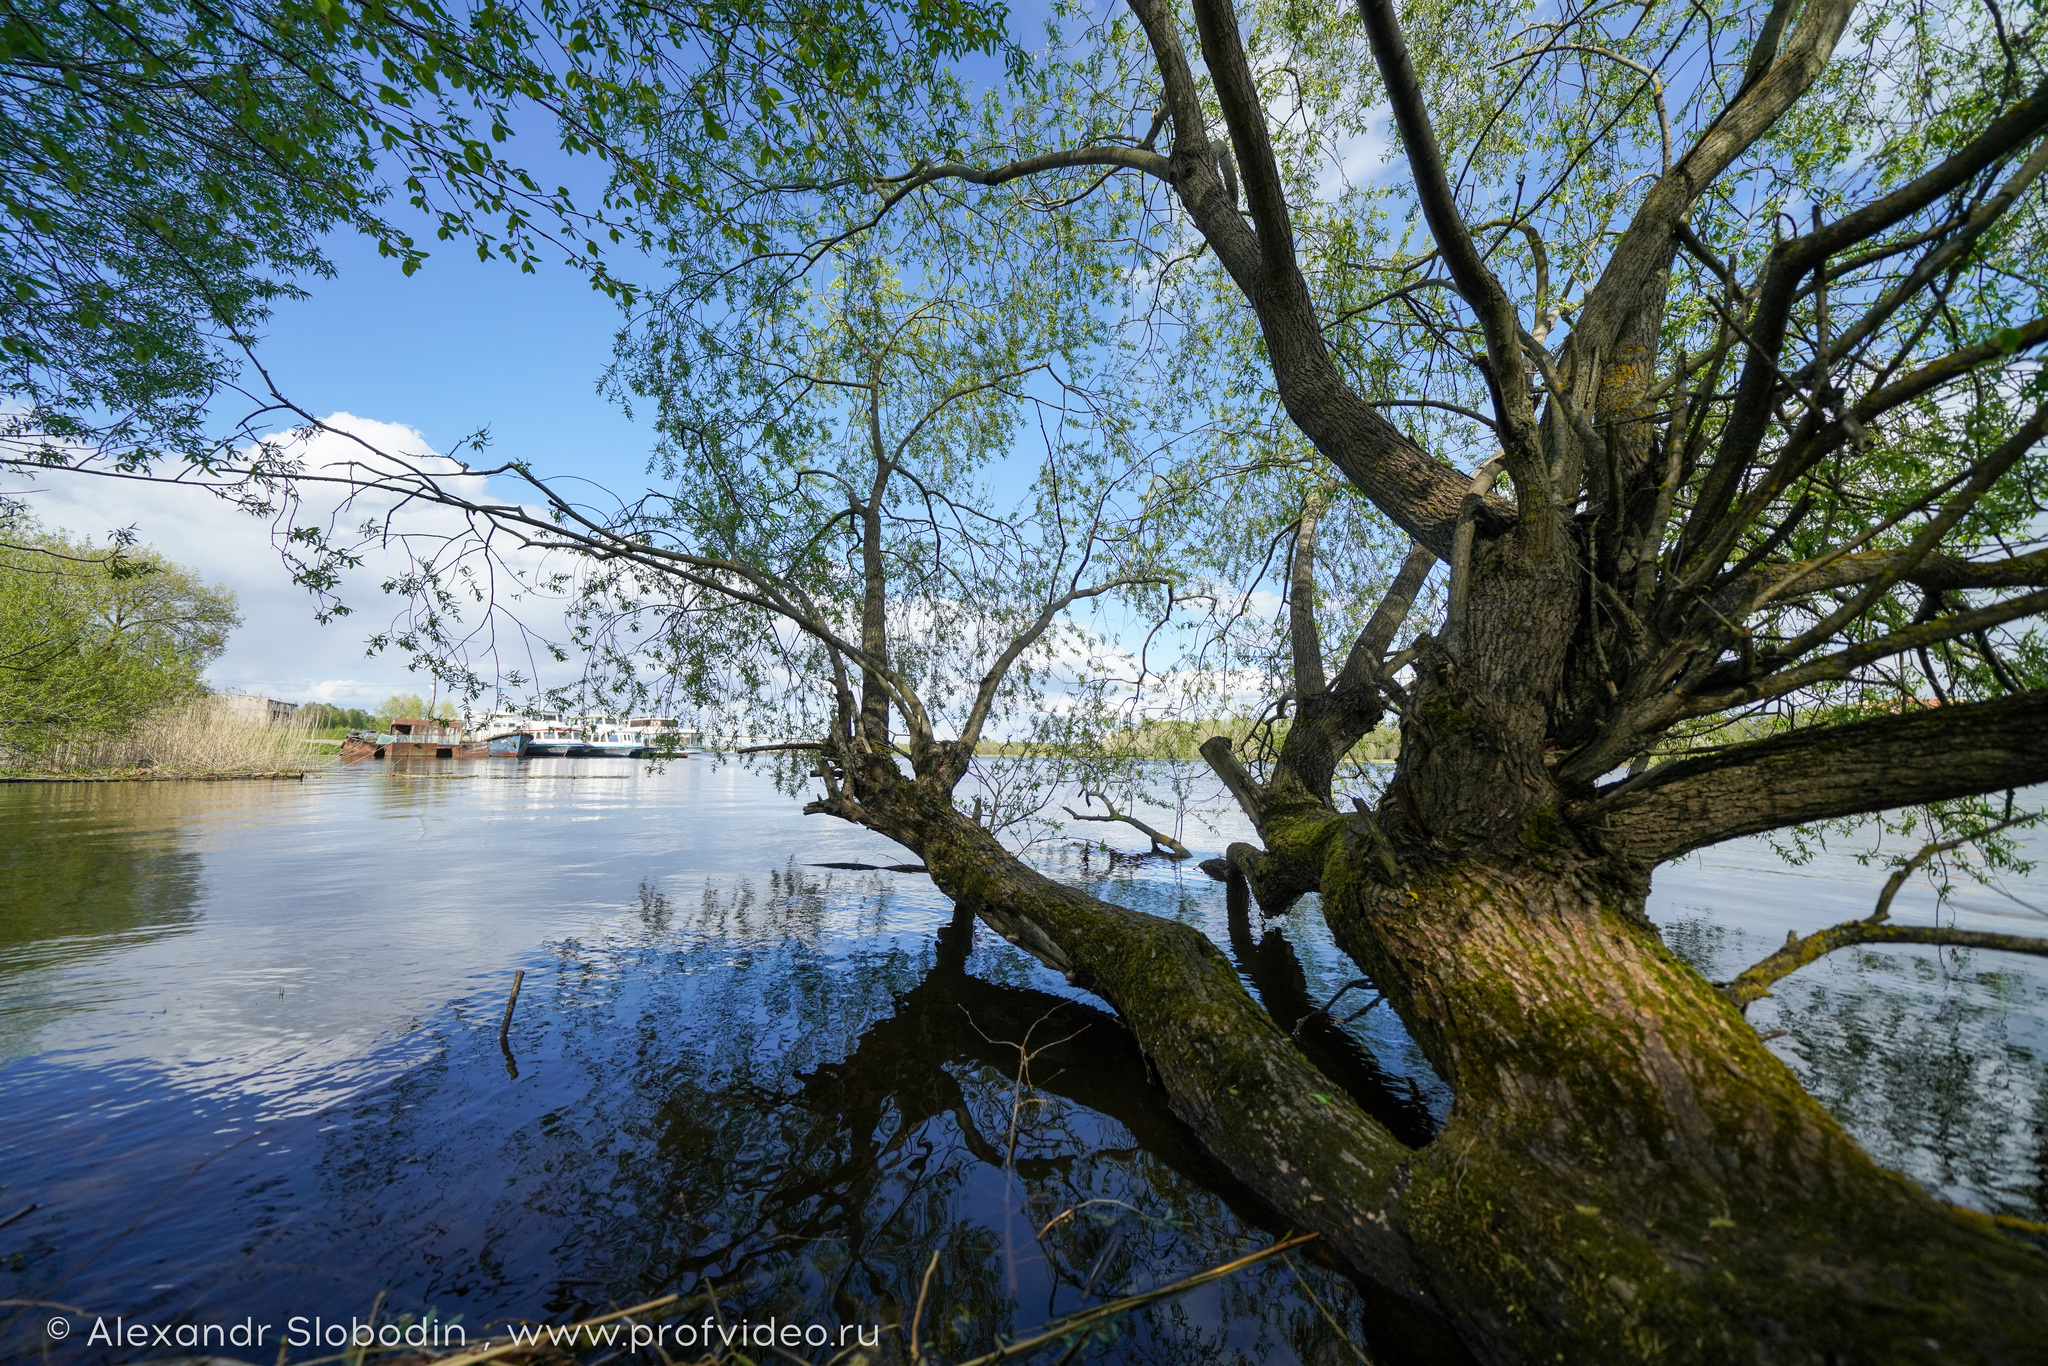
(1628, 1173)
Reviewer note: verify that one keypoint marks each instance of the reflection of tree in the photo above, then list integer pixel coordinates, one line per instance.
(1933, 1087)
(730, 1107)
(1288, 966)
(1276, 974)
(84, 871)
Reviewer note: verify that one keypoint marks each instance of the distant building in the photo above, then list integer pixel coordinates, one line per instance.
(261, 711)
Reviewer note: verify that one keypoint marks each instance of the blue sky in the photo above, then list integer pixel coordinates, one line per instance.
(459, 345)
(423, 360)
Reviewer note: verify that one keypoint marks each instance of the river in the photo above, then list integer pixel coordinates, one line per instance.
(250, 1071)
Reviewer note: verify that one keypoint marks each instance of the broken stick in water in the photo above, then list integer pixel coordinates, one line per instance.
(506, 1025)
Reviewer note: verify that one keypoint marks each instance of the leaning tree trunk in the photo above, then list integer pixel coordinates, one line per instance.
(1627, 1175)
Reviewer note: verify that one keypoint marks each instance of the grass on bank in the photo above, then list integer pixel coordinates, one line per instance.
(198, 737)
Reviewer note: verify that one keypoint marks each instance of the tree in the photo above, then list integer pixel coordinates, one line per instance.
(1763, 465)
(320, 716)
(408, 704)
(167, 170)
(1770, 445)
(95, 639)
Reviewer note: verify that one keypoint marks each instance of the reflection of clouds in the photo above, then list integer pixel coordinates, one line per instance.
(330, 917)
(734, 1093)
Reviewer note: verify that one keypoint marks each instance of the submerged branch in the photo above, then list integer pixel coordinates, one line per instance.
(1162, 843)
(1074, 1323)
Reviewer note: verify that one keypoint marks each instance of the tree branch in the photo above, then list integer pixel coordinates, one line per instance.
(1942, 573)
(1646, 247)
(1819, 774)
(1126, 158)
(1162, 843)
(1420, 493)
(1754, 983)
(1497, 318)
(985, 694)
(1303, 633)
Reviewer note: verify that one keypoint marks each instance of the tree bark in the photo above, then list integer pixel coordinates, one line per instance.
(1813, 775)
(1628, 1174)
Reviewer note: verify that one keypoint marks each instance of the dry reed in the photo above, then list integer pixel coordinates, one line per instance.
(201, 735)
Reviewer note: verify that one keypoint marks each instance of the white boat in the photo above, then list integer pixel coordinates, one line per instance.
(563, 735)
(641, 736)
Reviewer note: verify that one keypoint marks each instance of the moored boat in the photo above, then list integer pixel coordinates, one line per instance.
(416, 737)
(555, 735)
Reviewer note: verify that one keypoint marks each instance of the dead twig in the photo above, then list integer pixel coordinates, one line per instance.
(1163, 844)
(1060, 1328)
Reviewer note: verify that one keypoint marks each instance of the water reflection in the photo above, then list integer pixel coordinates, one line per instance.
(716, 1104)
(1933, 1058)
(1269, 963)
(255, 1031)
(1291, 966)
(84, 874)
(767, 1090)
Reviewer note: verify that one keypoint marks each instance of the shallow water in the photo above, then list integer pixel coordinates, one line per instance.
(249, 1069)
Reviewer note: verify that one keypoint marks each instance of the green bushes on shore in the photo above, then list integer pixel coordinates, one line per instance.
(99, 644)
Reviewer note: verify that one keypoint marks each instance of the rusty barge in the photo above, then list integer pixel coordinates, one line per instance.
(415, 737)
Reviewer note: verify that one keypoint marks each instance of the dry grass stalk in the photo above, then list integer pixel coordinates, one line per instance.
(197, 736)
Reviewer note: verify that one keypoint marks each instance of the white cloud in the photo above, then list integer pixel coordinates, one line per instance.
(281, 650)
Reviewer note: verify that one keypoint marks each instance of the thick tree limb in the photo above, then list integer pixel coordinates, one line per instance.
(1303, 633)
(1819, 774)
(1247, 1094)
(1639, 259)
(1755, 983)
(1369, 651)
(1328, 723)
(1943, 573)
(1461, 555)
(1497, 318)
(1420, 493)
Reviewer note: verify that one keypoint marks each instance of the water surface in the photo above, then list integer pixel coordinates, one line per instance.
(249, 1067)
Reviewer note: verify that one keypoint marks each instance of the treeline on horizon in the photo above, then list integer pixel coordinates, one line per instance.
(1180, 740)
